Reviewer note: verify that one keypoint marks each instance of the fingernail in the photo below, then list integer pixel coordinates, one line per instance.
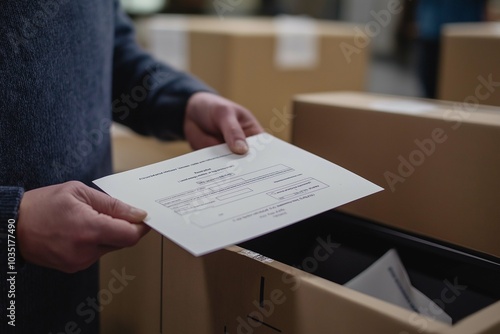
(240, 146)
(138, 212)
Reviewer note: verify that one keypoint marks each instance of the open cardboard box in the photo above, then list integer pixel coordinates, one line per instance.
(237, 290)
(443, 219)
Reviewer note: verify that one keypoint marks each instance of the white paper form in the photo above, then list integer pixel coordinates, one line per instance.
(211, 198)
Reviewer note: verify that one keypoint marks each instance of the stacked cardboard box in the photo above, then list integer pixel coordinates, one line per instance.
(261, 62)
(469, 71)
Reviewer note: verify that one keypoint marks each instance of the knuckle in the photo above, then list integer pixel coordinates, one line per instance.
(114, 204)
(223, 110)
(76, 188)
(74, 184)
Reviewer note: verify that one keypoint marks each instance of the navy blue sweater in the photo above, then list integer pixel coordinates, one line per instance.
(66, 69)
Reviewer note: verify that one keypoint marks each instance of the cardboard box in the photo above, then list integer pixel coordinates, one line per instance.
(438, 162)
(237, 291)
(134, 307)
(240, 291)
(469, 71)
(493, 10)
(131, 150)
(261, 62)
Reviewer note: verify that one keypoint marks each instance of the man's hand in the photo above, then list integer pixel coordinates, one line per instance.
(69, 226)
(211, 120)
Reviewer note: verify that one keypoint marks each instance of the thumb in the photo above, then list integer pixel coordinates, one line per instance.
(108, 205)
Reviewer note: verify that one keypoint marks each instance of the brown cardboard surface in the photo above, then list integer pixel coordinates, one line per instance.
(469, 60)
(135, 306)
(449, 193)
(227, 292)
(325, 306)
(237, 57)
(494, 14)
(131, 150)
(184, 287)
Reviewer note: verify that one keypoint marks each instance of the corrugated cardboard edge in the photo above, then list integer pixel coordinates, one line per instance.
(373, 307)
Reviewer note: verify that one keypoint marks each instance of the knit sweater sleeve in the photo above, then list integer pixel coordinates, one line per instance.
(148, 96)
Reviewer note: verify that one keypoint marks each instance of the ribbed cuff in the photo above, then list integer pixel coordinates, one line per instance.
(10, 199)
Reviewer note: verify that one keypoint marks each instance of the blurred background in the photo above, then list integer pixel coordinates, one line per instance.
(261, 53)
(397, 51)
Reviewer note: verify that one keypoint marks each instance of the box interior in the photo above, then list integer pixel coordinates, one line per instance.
(432, 266)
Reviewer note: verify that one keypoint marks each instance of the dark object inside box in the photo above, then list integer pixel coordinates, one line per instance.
(460, 281)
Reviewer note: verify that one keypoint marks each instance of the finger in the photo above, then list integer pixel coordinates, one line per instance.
(119, 233)
(108, 205)
(253, 129)
(105, 248)
(199, 139)
(250, 124)
(233, 134)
